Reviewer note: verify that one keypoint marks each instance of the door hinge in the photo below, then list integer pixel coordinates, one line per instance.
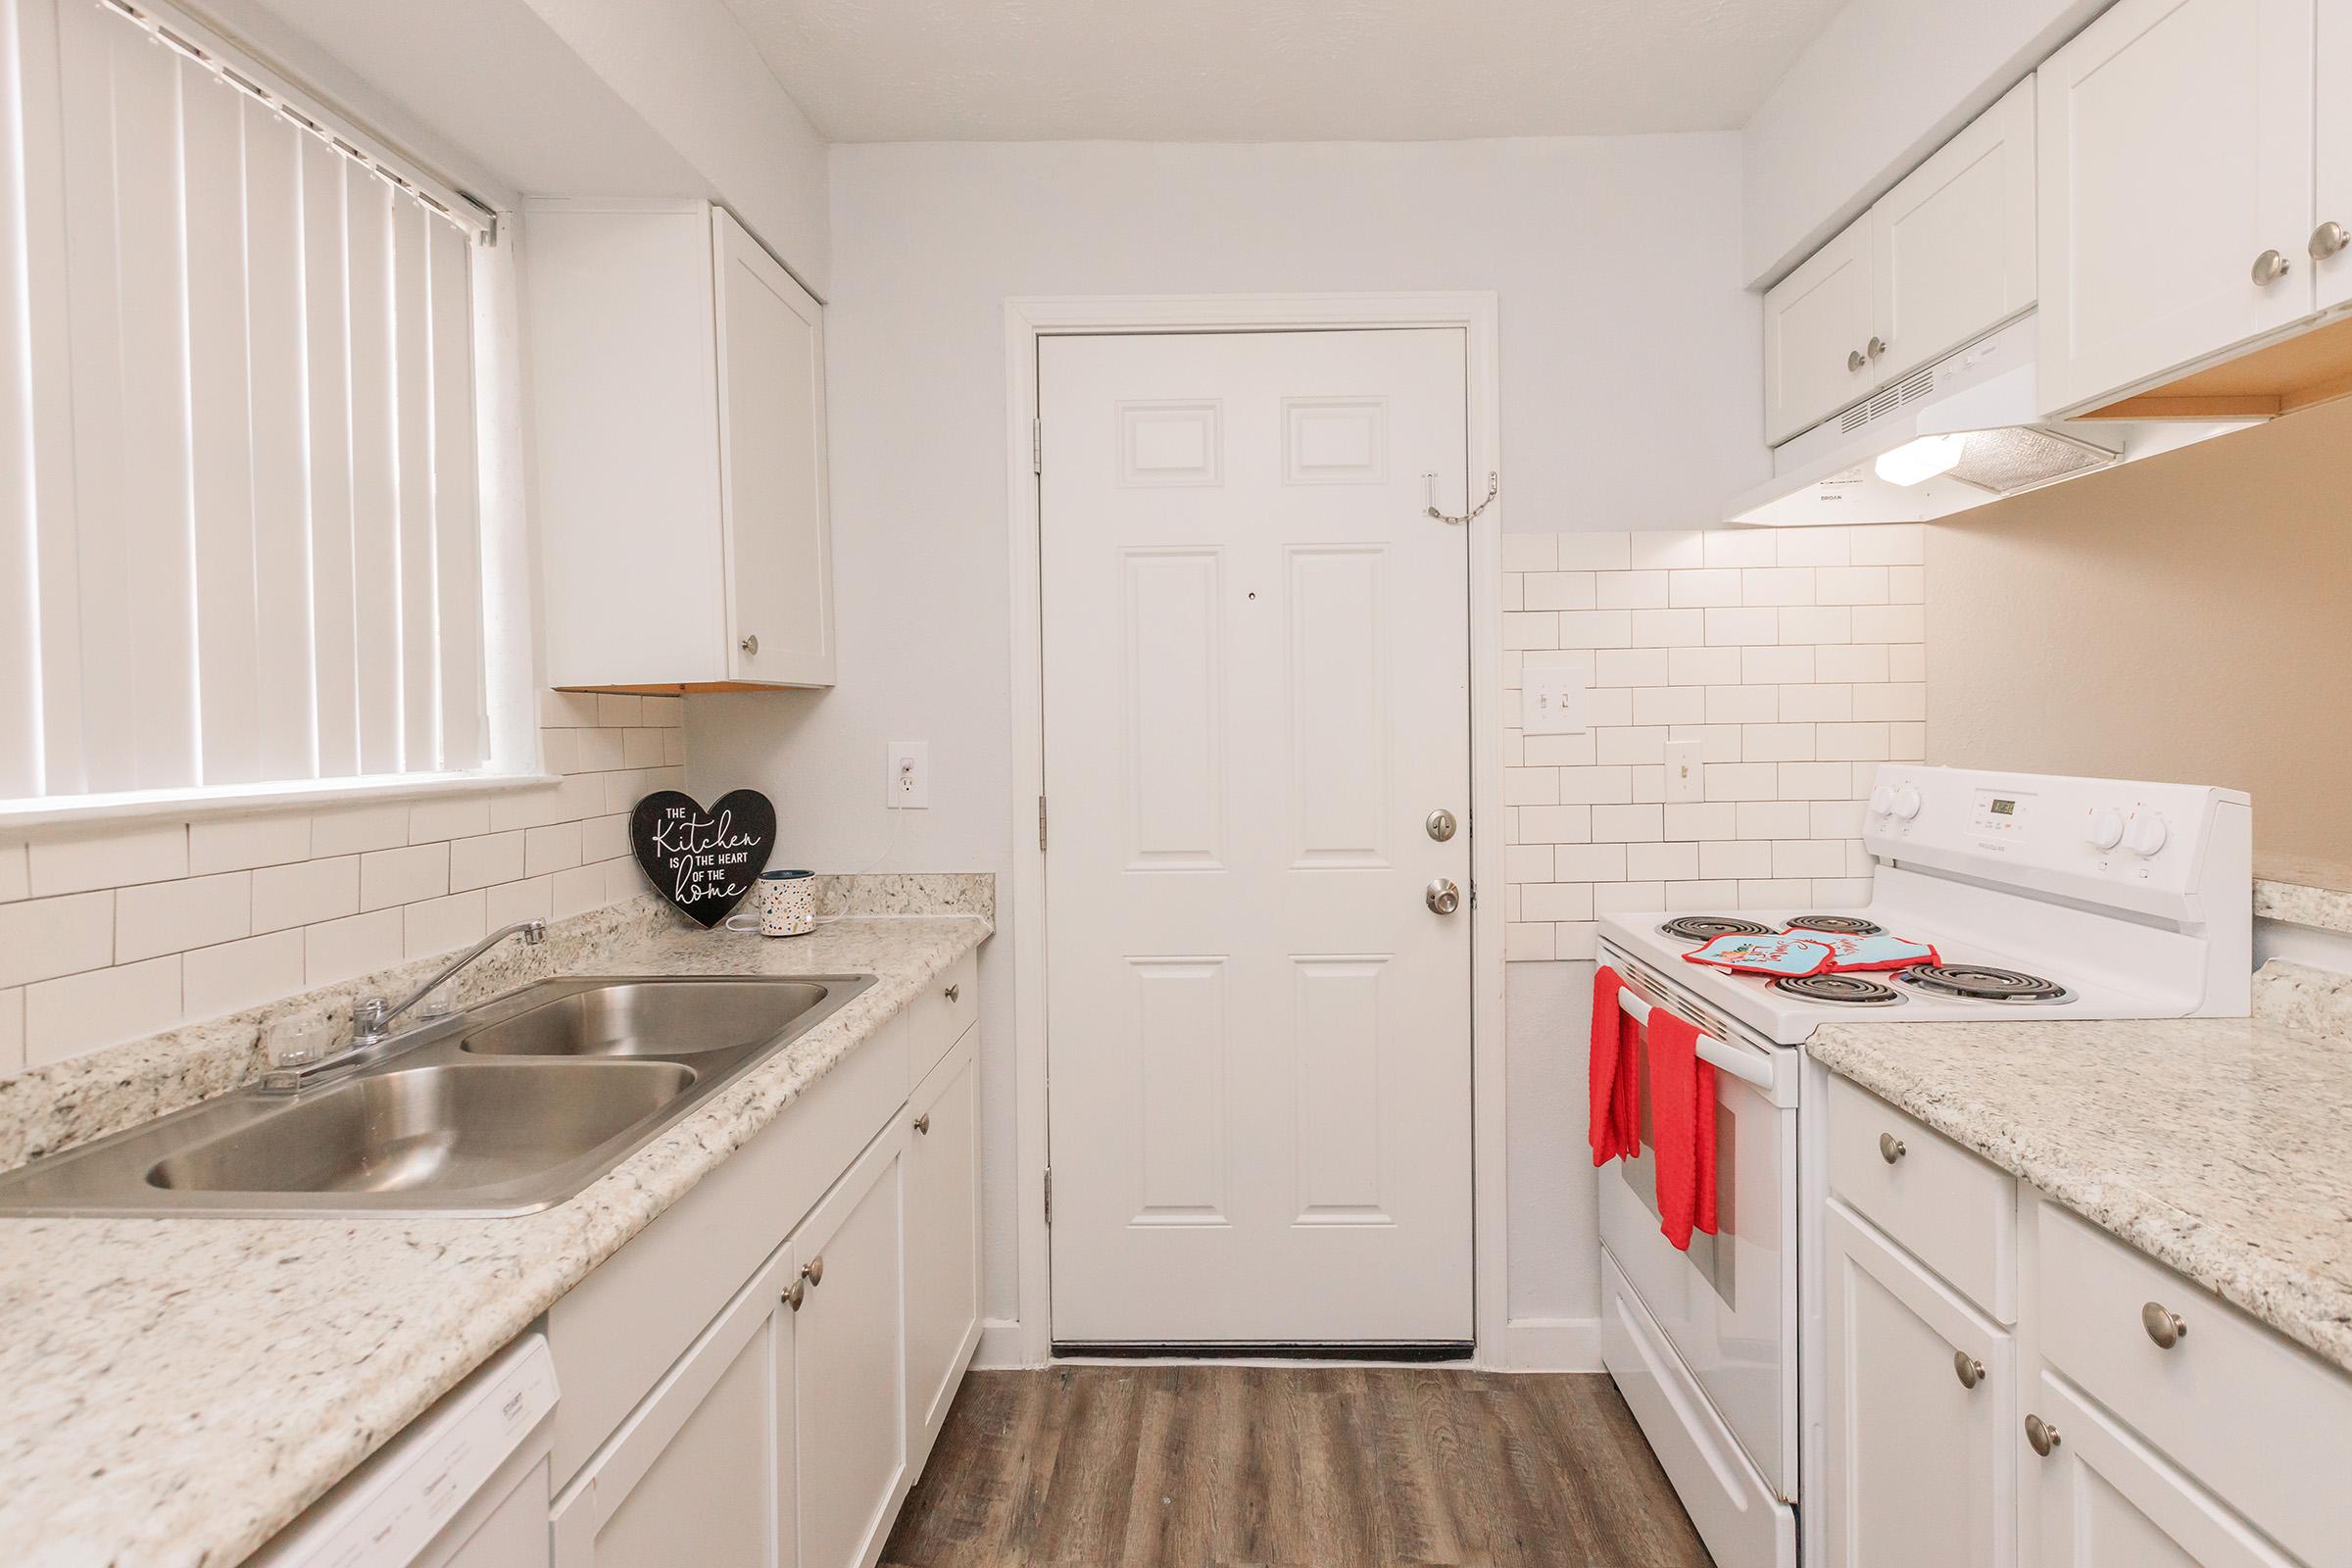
(1048, 1195)
(1474, 893)
(1041, 823)
(1036, 446)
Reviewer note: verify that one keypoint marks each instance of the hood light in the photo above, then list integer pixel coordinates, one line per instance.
(1918, 461)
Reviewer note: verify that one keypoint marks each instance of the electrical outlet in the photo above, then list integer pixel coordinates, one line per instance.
(1685, 772)
(909, 782)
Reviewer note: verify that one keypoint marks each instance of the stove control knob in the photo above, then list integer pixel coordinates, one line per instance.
(2106, 829)
(2145, 834)
(1906, 801)
(1882, 800)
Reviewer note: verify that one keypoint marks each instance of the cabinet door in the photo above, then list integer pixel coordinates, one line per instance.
(2101, 1498)
(1816, 336)
(2175, 150)
(779, 542)
(849, 1343)
(1952, 246)
(1919, 1394)
(2331, 273)
(702, 1471)
(943, 1240)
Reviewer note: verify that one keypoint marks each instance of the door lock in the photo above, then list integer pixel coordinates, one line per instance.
(1443, 897)
(1440, 824)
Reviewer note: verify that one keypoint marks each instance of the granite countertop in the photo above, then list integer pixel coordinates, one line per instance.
(178, 1390)
(2221, 1146)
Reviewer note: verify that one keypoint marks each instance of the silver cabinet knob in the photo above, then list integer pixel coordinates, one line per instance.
(1443, 897)
(2269, 268)
(2328, 239)
(923, 1123)
(1878, 346)
(1854, 361)
(795, 1294)
(954, 992)
(1440, 824)
(1890, 1148)
(2041, 1435)
(2167, 1328)
(813, 1271)
(1967, 1368)
(751, 645)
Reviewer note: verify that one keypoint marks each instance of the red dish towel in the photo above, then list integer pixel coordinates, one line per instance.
(1681, 1108)
(1615, 1126)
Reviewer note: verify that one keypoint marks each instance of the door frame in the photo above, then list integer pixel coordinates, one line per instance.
(1028, 1339)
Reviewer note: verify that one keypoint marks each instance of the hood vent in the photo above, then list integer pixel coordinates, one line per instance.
(1918, 384)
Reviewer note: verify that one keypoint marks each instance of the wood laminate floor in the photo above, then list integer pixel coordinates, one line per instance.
(1280, 1467)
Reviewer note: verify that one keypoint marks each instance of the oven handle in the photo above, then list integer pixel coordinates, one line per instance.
(1714, 1052)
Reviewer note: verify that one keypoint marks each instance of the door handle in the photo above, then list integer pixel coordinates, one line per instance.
(1443, 897)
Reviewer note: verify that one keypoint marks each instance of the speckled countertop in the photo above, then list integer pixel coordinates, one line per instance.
(178, 1390)
(2221, 1146)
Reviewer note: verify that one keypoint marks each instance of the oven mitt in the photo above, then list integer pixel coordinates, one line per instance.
(1877, 951)
(1775, 953)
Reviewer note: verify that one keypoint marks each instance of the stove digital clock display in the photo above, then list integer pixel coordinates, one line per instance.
(2002, 816)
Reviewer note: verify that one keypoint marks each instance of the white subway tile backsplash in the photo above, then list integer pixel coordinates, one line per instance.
(1588, 863)
(663, 713)
(1668, 550)
(443, 925)
(11, 1030)
(43, 938)
(102, 1007)
(566, 710)
(1778, 743)
(356, 829)
(1774, 819)
(1907, 662)
(1661, 862)
(1866, 743)
(1632, 590)
(1906, 585)
(551, 848)
(236, 975)
(511, 902)
(403, 876)
(1592, 551)
(459, 817)
(1635, 747)
(1526, 944)
(560, 751)
(1557, 590)
(1780, 894)
(1701, 895)
(1730, 859)
(1630, 823)
(576, 890)
(1743, 705)
(1668, 628)
(598, 751)
(1900, 544)
(1777, 585)
(15, 877)
(642, 748)
(1531, 786)
(1742, 781)
(1740, 627)
(1632, 667)
(1851, 585)
(1614, 898)
(1894, 699)
(1670, 704)
(1559, 750)
(1741, 547)
(339, 950)
(1777, 666)
(615, 711)
(1813, 547)
(305, 893)
(1808, 857)
(109, 858)
(1855, 661)
(1529, 551)
(196, 911)
(1593, 786)
(1556, 901)
(1817, 624)
(1597, 628)
(481, 862)
(1704, 589)
(1703, 819)
(1554, 824)
(1704, 667)
(1816, 704)
(1527, 862)
(1888, 623)
(1811, 781)
(605, 838)
(241, 843)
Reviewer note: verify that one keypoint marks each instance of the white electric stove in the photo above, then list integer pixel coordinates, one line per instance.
(2044, 898)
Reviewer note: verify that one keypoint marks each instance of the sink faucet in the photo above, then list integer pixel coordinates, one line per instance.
(372, 1019)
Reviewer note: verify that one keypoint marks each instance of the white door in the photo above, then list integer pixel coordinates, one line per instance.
(2175, 150)
(1256, 692)
(2331, 266)
(1952, 246)
(1817, 326)
(1918, 1418)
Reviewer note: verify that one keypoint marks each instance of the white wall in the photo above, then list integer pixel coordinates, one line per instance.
(1630, 400)
(1886, 84)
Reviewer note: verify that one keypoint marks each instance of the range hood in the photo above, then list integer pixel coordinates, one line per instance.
(1965, 431)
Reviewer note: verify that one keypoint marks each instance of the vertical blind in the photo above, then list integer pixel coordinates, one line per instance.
(239, 509)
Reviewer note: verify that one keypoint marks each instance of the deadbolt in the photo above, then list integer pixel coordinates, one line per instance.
(1443, 897)
(1440, 824)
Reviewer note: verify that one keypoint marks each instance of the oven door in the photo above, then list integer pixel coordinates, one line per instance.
(1728, 1307)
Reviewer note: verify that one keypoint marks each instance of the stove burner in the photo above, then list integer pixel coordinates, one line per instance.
(1843, 925)
(1845, 990)
(1978, 982)
(1707, 927)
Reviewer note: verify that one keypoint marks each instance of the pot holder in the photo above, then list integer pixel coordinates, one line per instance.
(1777, 954)
(1879, 952)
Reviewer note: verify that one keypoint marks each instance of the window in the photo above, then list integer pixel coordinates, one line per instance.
(241, 532)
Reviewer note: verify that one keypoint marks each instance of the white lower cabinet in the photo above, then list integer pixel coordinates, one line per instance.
(1919, 1396)
(849, 1398)
(943, 1240)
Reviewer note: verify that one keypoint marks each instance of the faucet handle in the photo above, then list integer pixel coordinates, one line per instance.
(298, 1042)
(367, 1017)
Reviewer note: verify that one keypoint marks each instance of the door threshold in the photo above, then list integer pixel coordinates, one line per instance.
(1415, 1351)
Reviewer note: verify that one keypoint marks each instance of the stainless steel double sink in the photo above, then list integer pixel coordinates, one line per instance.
(507, 1109)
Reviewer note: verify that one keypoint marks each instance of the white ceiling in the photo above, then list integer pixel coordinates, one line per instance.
(1276, 69)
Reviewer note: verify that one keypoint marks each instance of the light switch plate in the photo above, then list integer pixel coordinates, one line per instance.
(1686, 773)
(1552, 698)
(908, 781)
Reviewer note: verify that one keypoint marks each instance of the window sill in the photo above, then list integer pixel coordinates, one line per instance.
(188, 806)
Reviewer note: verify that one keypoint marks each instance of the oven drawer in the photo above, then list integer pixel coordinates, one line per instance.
(2261, 1424)
(1954, 1212)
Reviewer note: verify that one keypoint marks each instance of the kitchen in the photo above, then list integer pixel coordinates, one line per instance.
(1653, 310)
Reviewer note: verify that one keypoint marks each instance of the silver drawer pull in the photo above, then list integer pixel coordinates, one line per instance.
(2269, 268)
(954, 992)
(2165, 1327)
(795, 1294)
(1890, 1148)
(2041, 1435)
(1971, 1370)
(813, 1271)
(923, 1123)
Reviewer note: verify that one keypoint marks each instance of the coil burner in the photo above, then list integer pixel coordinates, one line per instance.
(1842, 990)
(1840, 925)
(1707, 927)
(1980, 982)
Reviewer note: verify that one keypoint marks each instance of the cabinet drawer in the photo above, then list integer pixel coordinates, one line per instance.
(943, 1010)
(1954, 1212)
(2261, 1425)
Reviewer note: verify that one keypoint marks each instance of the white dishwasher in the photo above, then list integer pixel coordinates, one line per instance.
(462, 1486)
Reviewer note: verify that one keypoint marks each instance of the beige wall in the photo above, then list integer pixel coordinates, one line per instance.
(2186, 618)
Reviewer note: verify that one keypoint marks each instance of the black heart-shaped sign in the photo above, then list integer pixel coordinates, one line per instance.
(704, 861)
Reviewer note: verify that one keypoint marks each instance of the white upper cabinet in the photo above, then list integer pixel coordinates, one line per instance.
(1944, 258)
(2176, 154)
(1952, 246)
(2330, 244)
(1817, 329)
(677, 390)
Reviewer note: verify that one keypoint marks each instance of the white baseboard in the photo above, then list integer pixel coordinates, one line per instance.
(1001, 1346)
(1552, 1345)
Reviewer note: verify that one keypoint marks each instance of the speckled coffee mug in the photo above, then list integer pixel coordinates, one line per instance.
(787, 904)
